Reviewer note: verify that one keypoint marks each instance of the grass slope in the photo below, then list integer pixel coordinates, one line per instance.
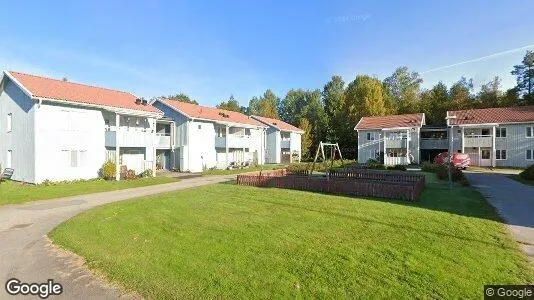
(227, 241)
(15, 192)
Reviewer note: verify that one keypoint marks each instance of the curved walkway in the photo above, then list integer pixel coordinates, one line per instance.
(26, 253)
(513, 201)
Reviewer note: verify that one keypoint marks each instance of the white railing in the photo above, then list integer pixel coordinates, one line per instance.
(163, 140)
(392, 161)
(478, 140)
(129, 139)
(234, 141)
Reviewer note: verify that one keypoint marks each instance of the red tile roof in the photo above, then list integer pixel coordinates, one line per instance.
(382, 122)
(278, 124)
(210, 113)
(43, 87)
(502, 115)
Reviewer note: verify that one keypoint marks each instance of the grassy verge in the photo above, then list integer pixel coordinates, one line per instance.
(244, 170)
(14, 192)
(523, 181)
(228, 241)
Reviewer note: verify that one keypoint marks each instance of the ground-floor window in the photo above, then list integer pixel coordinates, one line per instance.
(500, 154)
(530, 154)
(9, 159)
(396, 152)
(73, 158)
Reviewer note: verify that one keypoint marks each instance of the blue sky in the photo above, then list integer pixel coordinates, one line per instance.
(211, 49)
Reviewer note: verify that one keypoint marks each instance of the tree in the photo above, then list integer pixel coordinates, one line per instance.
(179, 97)
(290, 108)
(460, 94)
(403, 87)
(435, 103)
(231, 104)
(265, 106)
(306, 140)
(490, 94)
(333, 95)
(525, 76)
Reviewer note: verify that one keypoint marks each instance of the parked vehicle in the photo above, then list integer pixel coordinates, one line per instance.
(459, 160)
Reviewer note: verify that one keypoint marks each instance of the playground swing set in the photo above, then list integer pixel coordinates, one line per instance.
(332, 149)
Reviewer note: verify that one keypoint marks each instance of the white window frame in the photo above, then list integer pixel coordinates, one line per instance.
(498, 154)
(531, 132)
(9, 122)
(9, 159)
(531, 154)
(499, 131)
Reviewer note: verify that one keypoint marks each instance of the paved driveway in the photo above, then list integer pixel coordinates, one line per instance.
(514, 202)
(26, 253)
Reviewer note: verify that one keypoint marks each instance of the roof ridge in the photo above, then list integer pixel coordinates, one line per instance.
(486, 108)
(71, 82)
(210, 107)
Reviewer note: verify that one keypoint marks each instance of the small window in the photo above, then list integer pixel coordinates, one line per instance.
(370, 136)
(199, 126)
(530, 131)
(9, 122)
(500, 132)
(83, 158)
(247, 131)
(9, 159)
(500, 154)
(485, 132)
(74, 158)
(247, 149)
(529, 154)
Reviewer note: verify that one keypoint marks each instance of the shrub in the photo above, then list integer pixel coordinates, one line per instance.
(457, 175)
(299, 167)
(397, 167)
(375, 165)
(131, 174)
(108, 170)
(429, 167)
(528, 173)
(146, 173)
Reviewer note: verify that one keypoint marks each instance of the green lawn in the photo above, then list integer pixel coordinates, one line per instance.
(15, 192)
(228, 241)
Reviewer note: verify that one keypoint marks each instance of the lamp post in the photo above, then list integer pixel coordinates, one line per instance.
(451, 141)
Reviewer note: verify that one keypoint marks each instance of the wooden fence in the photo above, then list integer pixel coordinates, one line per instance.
(369, 186)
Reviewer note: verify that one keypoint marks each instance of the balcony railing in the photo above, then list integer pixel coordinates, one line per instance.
(285, 144)
(129, 139)
(434, 143)
(396, 143)
(234, 141)
(163, 140)
(477, 140)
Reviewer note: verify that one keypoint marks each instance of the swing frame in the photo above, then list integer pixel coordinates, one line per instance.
(333, 149)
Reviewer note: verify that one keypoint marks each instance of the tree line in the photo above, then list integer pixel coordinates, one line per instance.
(330, 113)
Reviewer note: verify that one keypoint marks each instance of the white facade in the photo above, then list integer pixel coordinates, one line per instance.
(56, 140)
(283, 146)
(398, 146)
(203, 144)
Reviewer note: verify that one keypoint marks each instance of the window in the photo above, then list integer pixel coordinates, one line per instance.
(247, 131)
(530, 131)
(247, 149)
(500, 154)
(9, 123)
(370, 136)
(74, 158)
(530, 154)
(500, 132)
(485, 132)
(199, 126)
(9, 159)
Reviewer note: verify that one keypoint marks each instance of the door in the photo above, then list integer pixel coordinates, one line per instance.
(485, 157)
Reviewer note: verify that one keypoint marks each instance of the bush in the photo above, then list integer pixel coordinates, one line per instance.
(457, 175)
(131, 174)
(429, 167)
(108, 170)
(146, 173)
(397, 167)
(528, 173)
(375, 165)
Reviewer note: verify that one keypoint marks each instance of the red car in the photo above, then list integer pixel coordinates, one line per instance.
(459, 160)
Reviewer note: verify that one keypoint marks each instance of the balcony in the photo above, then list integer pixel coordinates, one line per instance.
(129, 139)
(285, 144)
(434, 143)
(163, 141)
(396, 143)
(477, 141)
(234, 141)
